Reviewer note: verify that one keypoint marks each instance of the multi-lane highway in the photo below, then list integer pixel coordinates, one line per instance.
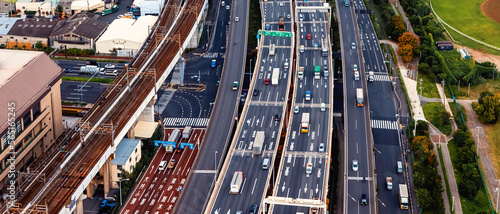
(199, 184)
(358, 178)
(385, 127)
(264, 104)
(312, 147)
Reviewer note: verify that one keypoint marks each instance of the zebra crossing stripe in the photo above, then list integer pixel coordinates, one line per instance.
(382, 78)
(384, 124)
(181, 122)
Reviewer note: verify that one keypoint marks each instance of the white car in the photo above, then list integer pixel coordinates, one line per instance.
(227, 7)
(355, 67)
(287, 15)
(281, 4)
(236, 19)
(355, 165)
(353, 45)
(109, 66)
(321, 147)
(296, 109)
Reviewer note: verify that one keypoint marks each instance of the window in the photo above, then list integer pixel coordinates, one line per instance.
(131, 168)
(135, 158)
(129, 159)
(119, 175)
(135, 150)
(11, 37)
(119, 167)
(25, 38)
(1, 37)
(24, 7)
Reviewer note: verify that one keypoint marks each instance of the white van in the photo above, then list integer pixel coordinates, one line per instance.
(222, 3)
(356, 75)
(400, 167)
(323, 107)
(265, 163)
(162, 165)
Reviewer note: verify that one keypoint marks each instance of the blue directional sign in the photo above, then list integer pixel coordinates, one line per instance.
(190, 145)
(165, 143)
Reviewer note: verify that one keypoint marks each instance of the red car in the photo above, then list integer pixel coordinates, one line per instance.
(266, 81)
(309, 36)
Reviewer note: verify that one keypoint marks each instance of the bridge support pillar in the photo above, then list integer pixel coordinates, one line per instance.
(106, 175)
(91, 189)
(148, 115)
(79, 206)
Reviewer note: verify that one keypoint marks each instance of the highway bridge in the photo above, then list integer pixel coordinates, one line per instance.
(90, 147)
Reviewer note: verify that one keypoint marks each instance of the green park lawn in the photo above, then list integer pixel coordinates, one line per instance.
(467, 17)
(432, 112)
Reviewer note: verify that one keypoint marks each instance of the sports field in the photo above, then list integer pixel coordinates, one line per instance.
(467, 17)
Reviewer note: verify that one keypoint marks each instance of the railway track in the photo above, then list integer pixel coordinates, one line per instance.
(64, 182)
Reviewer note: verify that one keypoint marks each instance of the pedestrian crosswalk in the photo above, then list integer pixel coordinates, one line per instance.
(384, 124)
(211, 55)
(181, 122)
(381, 78)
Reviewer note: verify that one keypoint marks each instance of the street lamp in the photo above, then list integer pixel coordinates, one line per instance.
(121, 189)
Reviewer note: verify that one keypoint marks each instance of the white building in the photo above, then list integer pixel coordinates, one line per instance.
(125, 35)
(44, 7)
(151, 7)
(84, 5)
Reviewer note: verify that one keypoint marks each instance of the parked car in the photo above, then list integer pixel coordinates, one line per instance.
(253, 209)
(67, 70)
(110, 66)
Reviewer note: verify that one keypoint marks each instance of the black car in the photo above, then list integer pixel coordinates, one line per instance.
(256, 92)
(253, 209)
(364, 200)
(277, 117)
(67, 70)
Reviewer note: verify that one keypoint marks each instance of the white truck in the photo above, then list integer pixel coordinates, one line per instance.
(272, 50)
(359, 97)
(187, 132)
(301, 73)
(388, 180)
(275, 77)
(258, 142)
(90, 69)
(304, 125)
(403, 196)
(236, 182)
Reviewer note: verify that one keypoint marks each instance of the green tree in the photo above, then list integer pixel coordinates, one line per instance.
(38, 45)
(487, 109)
(424, 198)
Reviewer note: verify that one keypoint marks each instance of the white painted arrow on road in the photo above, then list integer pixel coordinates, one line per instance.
(319, 173)
(291, 147)
(283, 188)
(317, 188)
(305, 188)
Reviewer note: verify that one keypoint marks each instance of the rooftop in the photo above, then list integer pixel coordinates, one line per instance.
(129, 29)
(6, 24)
(25, 76)
(33, 27)
(84, 24)
(124, 150)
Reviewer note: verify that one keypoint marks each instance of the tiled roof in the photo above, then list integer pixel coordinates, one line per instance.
(33, 27)
(84, 24)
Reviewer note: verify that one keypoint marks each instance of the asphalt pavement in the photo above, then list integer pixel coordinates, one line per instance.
(89, 93)
(357, 134)
(74, 67)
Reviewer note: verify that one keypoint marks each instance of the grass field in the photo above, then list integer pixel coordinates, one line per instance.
(432, 112)
(467, 17)
(480, 203)
(429, 88)
(85, 79)
(492, 136)
(492, 86)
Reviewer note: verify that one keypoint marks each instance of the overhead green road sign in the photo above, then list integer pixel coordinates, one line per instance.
(275, 33)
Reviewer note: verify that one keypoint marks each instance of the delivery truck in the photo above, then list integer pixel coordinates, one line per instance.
(258, 142)
(359, 97)
(275, 77)
(304, 125)
(301, 73)
(236, 182)
(403, 196)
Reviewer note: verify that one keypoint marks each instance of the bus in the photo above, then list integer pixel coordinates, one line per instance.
(317, 71)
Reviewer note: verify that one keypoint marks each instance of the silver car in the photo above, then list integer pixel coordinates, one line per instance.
(296, 109)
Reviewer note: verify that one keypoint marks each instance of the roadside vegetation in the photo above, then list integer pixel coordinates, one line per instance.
(436, 114)
(85, 79)
(428, 85)
(443, 170)
(426, 180)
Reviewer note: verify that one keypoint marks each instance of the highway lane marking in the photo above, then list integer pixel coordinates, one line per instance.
(254, 183)
(381, 202)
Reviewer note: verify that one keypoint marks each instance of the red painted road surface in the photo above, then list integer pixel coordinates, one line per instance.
(158, 190)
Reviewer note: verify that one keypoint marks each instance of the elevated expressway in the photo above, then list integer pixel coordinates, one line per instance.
(115, 112)
(295, 190)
